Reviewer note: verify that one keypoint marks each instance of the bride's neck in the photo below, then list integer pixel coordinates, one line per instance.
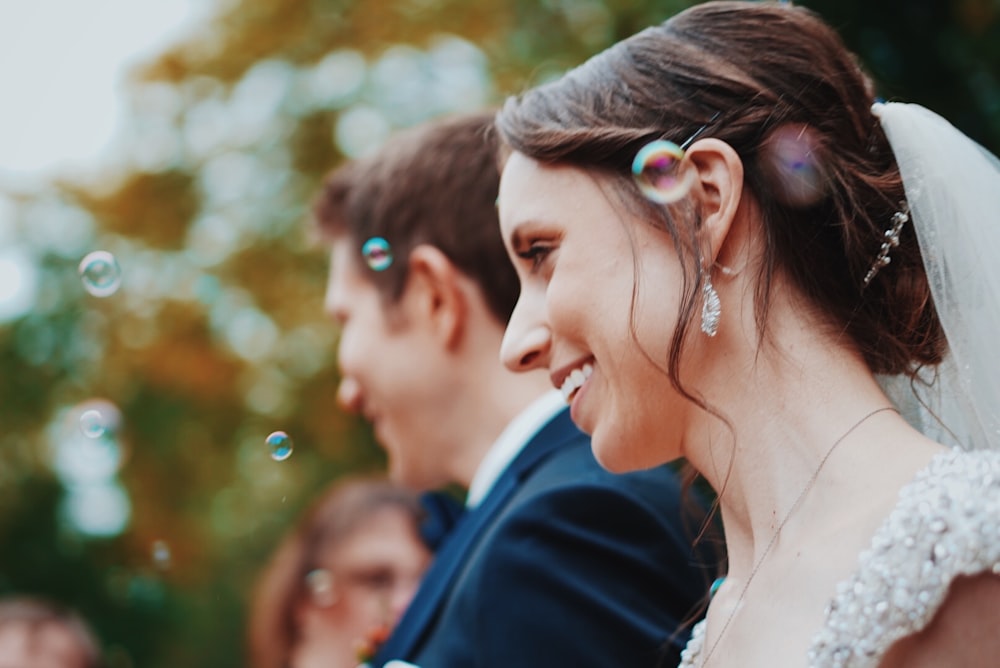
(788, 409)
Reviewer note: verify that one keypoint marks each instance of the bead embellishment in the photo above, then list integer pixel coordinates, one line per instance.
(945, 525)
(891, 237)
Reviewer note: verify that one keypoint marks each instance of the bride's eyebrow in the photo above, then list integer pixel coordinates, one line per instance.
(522, 230)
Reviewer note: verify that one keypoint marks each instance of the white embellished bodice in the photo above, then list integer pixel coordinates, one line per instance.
(946, 524)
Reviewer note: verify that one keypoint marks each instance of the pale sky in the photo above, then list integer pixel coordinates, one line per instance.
(62, 64)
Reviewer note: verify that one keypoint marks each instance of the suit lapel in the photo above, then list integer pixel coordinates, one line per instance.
(457, 546)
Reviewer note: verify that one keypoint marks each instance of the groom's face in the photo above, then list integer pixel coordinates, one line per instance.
(390, 369)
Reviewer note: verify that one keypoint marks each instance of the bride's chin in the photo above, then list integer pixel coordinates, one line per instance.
(610, 455)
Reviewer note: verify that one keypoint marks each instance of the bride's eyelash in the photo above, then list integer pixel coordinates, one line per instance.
(535, 253)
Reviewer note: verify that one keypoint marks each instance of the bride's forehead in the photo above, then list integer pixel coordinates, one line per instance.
(530, 189)
(524, 170)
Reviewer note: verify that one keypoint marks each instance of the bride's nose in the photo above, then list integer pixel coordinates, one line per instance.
(527, 341)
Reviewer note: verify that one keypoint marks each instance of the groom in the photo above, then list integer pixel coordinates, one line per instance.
(555, 561)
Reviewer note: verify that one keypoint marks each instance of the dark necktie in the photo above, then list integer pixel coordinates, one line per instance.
(442, 510)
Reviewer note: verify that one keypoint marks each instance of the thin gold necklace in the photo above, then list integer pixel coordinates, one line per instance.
(781, 526)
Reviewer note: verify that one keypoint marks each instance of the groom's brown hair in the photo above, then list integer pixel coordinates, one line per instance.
(434, 184)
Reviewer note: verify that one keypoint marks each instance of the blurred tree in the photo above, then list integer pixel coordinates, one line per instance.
(216, 337)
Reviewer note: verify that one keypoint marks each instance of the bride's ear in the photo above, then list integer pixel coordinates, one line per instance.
(717, 191)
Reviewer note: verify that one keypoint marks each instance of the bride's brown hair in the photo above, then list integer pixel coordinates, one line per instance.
(745, 70)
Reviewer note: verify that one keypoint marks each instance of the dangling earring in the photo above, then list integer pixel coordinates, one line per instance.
(711, 308)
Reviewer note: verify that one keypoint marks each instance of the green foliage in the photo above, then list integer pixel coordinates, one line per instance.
(153, 208)
(217, 336)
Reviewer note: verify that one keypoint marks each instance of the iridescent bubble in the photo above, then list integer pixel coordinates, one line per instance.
(280, 445)
(791, 156)
(100, 273)
(377, 253)
(319, 582)
(93, 424)
(86, 444)
(659, 173)
(161, 554)
(97, 418)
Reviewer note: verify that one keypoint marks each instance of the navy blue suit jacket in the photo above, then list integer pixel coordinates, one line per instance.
(562, 564)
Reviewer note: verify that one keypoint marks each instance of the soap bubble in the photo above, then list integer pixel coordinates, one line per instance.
(377, 253)
(161, 554)
(97, 418)
(791, 158)
(86, 443)
(93, 423)
(319, 582)
(100, 273)
(659, 174)
(280, 445)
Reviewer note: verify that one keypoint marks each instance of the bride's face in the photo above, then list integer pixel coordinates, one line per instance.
(599, 300)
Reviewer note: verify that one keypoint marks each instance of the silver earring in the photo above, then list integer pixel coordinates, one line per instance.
(711, 308)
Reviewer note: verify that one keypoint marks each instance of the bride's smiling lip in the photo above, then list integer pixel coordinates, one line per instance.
(560, 376)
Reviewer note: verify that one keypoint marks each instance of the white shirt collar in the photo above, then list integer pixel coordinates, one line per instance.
(510, 443)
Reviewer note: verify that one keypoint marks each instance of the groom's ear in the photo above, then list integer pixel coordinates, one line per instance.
(434, 294)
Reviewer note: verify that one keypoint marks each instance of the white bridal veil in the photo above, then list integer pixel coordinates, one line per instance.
(953, 189)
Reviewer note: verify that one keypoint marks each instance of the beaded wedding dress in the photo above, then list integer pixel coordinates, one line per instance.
(945, 525)
(946, 522)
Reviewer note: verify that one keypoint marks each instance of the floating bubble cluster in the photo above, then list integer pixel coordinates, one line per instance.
(377, 253)
(659, 173)
(100, 273)
(280, 445)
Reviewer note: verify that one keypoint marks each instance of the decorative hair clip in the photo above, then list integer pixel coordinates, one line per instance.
(377, 253)
(655, 168)
(891, 241)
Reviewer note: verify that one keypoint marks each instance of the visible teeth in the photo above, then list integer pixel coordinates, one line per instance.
(575, 380)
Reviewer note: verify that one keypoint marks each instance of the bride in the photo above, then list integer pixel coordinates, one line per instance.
(730, 253)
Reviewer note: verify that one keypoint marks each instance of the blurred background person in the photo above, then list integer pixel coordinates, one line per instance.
(36, 633)
(341, 578)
